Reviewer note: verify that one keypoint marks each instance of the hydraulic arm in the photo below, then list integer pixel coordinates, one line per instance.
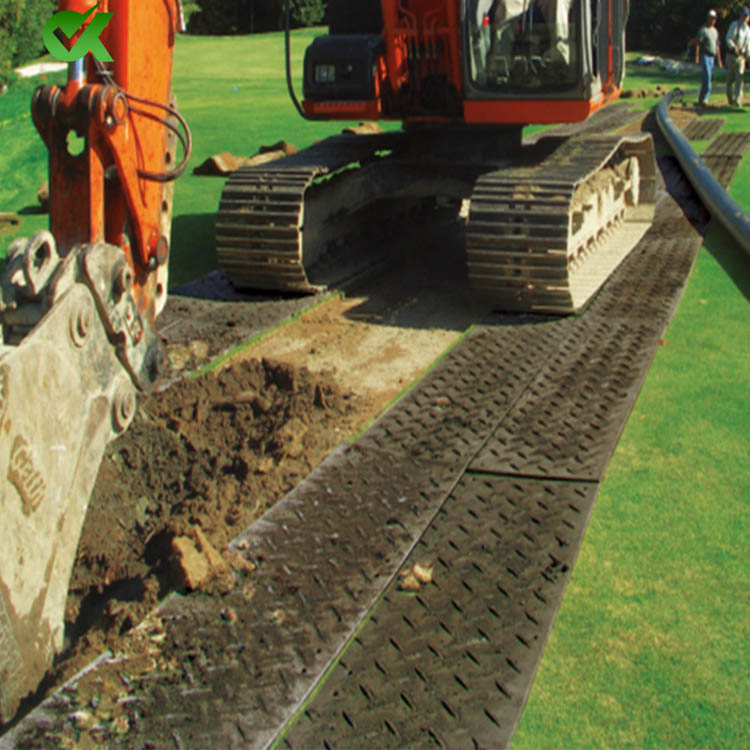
(78, 306)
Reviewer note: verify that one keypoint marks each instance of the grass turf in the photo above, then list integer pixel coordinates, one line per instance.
(652, 645)
(651, 648)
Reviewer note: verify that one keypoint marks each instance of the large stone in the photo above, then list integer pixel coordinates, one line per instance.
(198, 565)
(191, 566)
(287, 148)
(223, 164)
(219, 165)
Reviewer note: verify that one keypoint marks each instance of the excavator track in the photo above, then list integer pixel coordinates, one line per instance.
(264, 210)
(548, 223)
(544, 238)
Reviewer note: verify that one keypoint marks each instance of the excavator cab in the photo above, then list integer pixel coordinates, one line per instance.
(477, 61)
(539, 47)
(522, 48)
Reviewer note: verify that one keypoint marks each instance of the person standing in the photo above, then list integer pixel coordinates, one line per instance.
(707, 52)
(738, 48)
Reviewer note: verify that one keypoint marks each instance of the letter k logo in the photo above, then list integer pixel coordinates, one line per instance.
(68, 21)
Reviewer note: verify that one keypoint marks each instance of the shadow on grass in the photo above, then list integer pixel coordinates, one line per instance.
(733, 259)
(193, 252)
(33, 210)
(717, 109)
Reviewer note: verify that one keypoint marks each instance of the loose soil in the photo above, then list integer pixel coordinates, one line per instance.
(370, 348)
(209, 456)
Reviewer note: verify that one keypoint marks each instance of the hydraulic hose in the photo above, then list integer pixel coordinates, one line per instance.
(289, 82)
(714, 197)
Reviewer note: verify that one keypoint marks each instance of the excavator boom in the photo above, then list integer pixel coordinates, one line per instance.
(78, 305)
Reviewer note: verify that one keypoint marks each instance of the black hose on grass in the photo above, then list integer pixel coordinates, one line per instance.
(714, 197)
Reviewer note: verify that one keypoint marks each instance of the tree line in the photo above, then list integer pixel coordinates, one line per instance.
(21, 26)
(22, 23)
(654, 25)
(668, 25)
(252, 16)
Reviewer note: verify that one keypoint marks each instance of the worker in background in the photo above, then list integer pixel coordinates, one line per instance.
(738, 48)
(707, 53)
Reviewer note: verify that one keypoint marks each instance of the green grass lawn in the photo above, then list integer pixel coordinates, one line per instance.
(651, 648)
(23, 159)
(652, 645)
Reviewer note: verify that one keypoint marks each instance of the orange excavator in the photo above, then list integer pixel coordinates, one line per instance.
(546, 223)
(78, 305)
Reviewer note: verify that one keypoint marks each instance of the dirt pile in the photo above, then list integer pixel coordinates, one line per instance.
(224, 164)
(201, 462)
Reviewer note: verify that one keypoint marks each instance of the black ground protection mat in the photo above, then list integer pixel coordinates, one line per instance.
(703, 129)
(723, 155)
(728, 144)
(451, 665)
(567, 422)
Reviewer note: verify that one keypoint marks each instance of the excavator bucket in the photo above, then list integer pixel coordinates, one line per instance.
(64, 394)
(77, 307)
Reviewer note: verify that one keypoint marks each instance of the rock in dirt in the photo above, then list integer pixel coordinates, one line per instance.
(282, 374)
(238, 563)
(192, 569)
(289, 439)
(423, 572)
(197, 564)
(409, 583)
(201, 461)
(221, 573)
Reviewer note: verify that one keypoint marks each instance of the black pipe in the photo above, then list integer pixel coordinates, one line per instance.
(714, 197)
